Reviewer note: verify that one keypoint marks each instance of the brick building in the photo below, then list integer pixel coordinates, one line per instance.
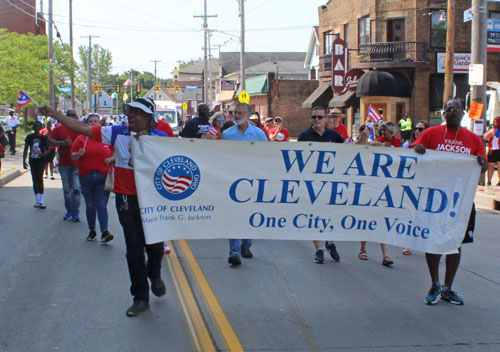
(20, 16)
(403, 38)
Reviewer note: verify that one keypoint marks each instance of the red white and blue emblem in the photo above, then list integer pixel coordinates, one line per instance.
(177, 177)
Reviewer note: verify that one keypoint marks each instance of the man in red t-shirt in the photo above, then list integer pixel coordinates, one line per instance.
(452, 138)
(63, 138)
(334, 122)
(278, 133)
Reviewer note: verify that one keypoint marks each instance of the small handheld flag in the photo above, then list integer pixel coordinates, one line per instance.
(127, 82)
(23, 98)
(211, 130)
(374, 114)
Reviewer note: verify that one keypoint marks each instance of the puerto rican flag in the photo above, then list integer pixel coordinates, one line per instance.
(212, 130)
(374, 114)
(127, 82)
(23, 98)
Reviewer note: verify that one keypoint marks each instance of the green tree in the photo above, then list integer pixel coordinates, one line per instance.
(21, 60)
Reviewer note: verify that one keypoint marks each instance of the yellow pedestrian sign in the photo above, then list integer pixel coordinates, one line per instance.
(244, 97)
(184, 106)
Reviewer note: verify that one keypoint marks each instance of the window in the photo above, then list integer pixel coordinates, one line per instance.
(438, 29)
(495, 15)
(364, 30)
(346, 35)
(327, 39)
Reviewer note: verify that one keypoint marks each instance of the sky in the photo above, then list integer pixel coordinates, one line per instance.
(137, 32)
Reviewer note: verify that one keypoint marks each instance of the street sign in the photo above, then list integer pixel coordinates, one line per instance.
(184, 106)
(468, 15)
(244, 97)
(476, 74)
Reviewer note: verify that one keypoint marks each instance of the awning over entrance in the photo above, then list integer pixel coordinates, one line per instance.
(342, 101)
(384, 84)
(320, 96)
(225, 96)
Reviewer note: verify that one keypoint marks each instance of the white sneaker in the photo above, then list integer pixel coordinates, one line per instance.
(166, 248)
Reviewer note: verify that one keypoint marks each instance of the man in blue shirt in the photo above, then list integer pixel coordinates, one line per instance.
(319, 133)
(242, 131)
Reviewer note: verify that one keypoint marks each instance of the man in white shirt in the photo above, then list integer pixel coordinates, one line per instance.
(12, 123)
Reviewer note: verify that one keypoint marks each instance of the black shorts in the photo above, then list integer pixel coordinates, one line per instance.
(469, 231)
(51, 155)
(494, 156)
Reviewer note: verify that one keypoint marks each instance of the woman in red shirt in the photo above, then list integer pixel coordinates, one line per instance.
(94, 160)
(388, 139)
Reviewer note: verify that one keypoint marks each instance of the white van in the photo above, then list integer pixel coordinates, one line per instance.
(167, 111)
(492, 104)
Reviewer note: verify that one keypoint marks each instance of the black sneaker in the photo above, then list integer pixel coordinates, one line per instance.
(106, 236)
(234, 259)
(137, 308)
(448, 295)
(433, 294)
(158, 287)
(319, 258)
(246, 253)
(332, 249)
(92, 235)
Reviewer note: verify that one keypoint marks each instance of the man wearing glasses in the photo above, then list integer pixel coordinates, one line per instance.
(451, 138)
(63, 138)
(319, 133)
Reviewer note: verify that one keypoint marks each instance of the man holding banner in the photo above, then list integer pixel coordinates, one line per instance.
(452, 138)
(242, 131)
(142, 121)
(319, 133)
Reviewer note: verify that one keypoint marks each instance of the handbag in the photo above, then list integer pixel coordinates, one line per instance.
(109, 184)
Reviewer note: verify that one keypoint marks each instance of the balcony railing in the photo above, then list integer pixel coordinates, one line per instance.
(415, 52)
(325, 62)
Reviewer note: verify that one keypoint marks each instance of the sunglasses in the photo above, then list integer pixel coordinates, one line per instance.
(317, 117)
(221, 119)
(420, 129)
(71, 115)
(231, 111)
(452, 109)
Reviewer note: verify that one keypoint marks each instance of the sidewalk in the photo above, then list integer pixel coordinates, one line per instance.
(12, 166)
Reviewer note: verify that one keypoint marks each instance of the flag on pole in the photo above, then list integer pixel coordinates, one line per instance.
(125, 96)
(127, 82)
(23, 98)
(442, 17)
(374, 114)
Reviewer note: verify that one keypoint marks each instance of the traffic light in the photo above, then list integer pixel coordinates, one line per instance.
(96, 89)
(138, 88)
(99, 89)
(177, 89)
(117, 88)
(157, 88)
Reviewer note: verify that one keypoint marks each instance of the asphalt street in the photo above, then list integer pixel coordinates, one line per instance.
(59, 292)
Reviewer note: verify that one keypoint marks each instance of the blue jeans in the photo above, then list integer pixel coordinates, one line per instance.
(96, 199)
(71, 188)
(236, 245)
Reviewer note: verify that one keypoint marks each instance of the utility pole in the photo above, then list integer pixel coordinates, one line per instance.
(450, 51)
(155, 61)
(205, 58)
(52, 96)
(89, 73)
(242, 45)
(479, 51)
(72, 77)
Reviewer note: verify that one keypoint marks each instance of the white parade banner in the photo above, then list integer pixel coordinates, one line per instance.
(205, 189)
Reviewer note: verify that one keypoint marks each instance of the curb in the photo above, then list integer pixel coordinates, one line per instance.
(9, 176)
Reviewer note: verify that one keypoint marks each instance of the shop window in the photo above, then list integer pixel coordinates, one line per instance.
(328, 38)
(438, 29)
(364, 30)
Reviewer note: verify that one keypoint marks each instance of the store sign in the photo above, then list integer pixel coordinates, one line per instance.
(461, 63)
(351, 80)
(227, 84)
(493, 36)
(339, 64)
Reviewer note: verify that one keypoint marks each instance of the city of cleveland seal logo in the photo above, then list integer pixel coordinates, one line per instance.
(177, 177)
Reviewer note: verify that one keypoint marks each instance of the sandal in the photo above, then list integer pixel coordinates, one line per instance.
(406, 251)
(387, 261)
(362, 255)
